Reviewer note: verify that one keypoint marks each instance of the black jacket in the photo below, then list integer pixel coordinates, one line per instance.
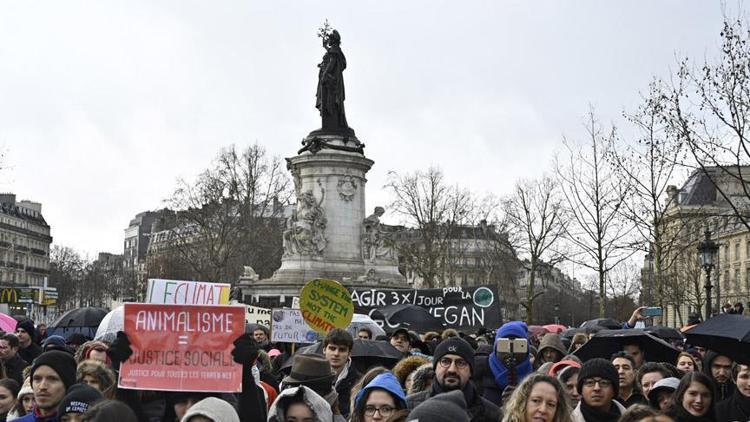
(14, 368)
(479, 408)
(30, 353)
(735, 408)
(344, 390)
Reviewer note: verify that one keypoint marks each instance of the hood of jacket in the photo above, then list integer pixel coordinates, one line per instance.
(552, 341)
(212, 408)
(317, 404)
(385, 381)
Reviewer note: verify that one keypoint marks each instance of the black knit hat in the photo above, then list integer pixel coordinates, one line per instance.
(599, 368)
(455, 346)
(79, 399)
(27, 325)
(444, 407)
(61, 362)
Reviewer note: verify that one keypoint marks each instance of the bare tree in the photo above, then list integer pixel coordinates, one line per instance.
(599, 235)
(709, 110)
(231, 216)
(67, 269)
(433, 209)
(646, 163)
(533, 213)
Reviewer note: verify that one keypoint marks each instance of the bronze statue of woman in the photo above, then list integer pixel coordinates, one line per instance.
(330, 95)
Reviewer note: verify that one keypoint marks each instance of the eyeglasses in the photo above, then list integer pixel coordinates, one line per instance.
(590, 382)
(385, 411)
(446, 363)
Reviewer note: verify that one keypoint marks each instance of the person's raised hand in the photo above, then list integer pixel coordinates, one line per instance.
(245, 350)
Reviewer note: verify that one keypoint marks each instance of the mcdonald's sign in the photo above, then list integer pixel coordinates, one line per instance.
(9, 295)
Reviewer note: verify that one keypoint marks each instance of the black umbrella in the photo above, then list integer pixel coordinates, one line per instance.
(665, 333)
(365, 354)
(607, 342)
(608, 323)
(410, 316)
(81, 320)
(727, 334)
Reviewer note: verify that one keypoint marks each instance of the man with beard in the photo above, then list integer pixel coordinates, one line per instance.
(453, 363)
(719, 369)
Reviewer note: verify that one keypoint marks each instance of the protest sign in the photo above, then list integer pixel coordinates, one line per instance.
(458, 306)
(325, 305)
(176, 292)
(288, 326)
(182, 347)
(258, 315)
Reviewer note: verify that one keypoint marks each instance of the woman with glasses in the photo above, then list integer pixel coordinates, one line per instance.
(379, 399)
(538, 398)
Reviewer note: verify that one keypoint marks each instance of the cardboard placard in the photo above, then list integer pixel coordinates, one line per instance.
(258, 315)
(326, 305)
(288, 326)
(176, 292)
(182, 347)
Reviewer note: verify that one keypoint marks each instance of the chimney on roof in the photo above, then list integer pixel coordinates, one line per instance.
(673, 196)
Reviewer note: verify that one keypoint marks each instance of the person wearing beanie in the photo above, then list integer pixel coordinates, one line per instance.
(453, 363)
(598, 384)
(444, 407)
(28, 349)
(77, 401)
(52, 373)
(55, 343)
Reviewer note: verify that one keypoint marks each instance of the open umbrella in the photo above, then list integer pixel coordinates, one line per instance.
(81, 320)
(360, 321)
(608, 323)
(410, 316)
(607, 342)
(7, 323)
(113, 322)
(365, 354)
(664, 333)
(536, 330)
(727, 334)
(555, 328)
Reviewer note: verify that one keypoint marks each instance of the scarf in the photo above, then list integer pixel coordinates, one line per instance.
(591, 414)
(500, 372)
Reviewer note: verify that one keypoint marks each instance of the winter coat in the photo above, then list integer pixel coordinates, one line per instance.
(317, 404)
(344, 388)
(479, 408)
(498, 377)
(34, 417)
(422, 376)
(14, 368)
(735, 408)
(577, 414)
(723, 390)
(30, 353)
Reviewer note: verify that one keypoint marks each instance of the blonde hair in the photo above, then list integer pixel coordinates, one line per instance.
(515, 408)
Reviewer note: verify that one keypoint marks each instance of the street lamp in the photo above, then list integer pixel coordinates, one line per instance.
(706, 253)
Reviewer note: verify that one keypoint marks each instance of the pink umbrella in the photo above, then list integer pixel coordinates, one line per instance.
(555, 328)
(7, 323)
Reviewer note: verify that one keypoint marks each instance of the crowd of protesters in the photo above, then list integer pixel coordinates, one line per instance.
(451, 376)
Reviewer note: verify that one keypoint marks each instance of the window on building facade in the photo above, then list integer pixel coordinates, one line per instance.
(725, 281)
(737, 251)
(736, 283)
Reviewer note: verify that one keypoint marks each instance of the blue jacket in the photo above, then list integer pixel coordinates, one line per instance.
(385, 381)
(33, 417)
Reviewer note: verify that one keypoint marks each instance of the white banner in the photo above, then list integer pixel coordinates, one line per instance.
(175, 292)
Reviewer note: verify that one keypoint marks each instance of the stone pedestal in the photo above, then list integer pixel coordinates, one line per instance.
(327, 238)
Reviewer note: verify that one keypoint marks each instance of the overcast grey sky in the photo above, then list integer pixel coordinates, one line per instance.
(104, 104)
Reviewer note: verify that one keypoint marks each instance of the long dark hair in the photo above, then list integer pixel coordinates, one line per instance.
(675, 405)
